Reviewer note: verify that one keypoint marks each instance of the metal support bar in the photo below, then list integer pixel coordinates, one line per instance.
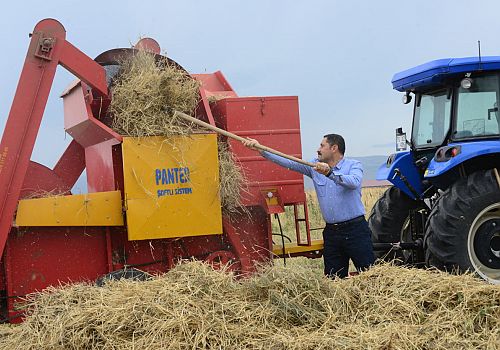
(83, 67)
(71, 164)
(25, 117)
(47, 49)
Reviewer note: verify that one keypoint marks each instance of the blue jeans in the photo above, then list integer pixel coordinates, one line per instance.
(350, 241)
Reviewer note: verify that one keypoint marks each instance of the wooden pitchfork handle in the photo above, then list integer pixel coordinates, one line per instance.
(239, 138)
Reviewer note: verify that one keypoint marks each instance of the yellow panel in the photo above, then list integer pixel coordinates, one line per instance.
(291, 248)
(91, 209)
(171, 186)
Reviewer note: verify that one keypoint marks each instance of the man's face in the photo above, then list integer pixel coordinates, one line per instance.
(325, 151)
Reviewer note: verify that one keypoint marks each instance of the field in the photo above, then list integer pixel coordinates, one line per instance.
(369, 196)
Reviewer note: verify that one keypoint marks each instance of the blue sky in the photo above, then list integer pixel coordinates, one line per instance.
(338, 57)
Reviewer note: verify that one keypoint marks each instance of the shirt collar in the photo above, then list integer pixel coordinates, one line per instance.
(339, 164)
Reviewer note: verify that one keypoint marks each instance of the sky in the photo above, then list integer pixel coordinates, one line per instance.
(338, 57)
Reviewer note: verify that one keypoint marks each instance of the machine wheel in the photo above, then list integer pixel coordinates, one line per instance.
(130, 273)
(463, 229)
(224, 259)
(389, 221)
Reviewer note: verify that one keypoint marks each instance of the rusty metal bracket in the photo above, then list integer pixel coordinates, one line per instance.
(44, 48)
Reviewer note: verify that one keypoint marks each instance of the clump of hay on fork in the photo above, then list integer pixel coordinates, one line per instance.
(146, 94)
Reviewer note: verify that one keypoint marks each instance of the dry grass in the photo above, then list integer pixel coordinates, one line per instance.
(232, 180)
(39, 193)
(194, 307)
(294, 307)
(145, 95)
(369, 196)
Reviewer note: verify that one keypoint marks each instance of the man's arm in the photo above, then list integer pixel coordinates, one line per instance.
(351, 180)
(287, 163)
(284, 162)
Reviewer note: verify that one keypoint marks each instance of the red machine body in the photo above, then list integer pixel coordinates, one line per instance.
(36, 257)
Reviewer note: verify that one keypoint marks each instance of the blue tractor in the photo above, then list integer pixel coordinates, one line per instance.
(444, 207)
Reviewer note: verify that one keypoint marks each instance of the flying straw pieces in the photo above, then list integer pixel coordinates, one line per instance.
(195, 307)
(145, 96)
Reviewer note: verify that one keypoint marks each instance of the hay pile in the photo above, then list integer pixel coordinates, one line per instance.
(146, 93)
(194, 307)
(232, 180)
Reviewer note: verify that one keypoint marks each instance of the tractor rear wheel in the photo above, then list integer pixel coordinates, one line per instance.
(463, 229)
(389, 221)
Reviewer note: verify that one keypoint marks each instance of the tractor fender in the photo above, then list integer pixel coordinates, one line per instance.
(403, 163)
(442, 161)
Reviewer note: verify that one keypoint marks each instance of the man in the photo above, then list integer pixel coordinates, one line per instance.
(337, 181)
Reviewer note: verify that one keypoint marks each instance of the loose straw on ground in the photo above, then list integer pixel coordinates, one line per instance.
(194, 307)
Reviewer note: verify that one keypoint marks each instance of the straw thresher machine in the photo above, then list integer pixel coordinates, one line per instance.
(144, 208)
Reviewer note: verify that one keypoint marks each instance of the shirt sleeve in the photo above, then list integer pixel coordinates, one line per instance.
(287, 163)
(352, 179)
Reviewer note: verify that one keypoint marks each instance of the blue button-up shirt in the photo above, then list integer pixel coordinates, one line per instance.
(339, 195)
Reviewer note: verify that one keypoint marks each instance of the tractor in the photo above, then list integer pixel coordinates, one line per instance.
(443, 209)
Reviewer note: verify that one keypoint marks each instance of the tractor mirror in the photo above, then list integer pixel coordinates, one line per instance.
(400, 140)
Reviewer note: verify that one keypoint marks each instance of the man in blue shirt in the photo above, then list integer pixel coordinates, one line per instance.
(337, 181)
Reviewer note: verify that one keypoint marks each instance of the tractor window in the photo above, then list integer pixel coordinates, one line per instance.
(477, 109)
(432, 119)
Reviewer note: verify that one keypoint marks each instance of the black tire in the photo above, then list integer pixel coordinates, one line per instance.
(387, 219)
(463, 229)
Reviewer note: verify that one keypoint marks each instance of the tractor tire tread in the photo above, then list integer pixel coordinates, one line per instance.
(445, 241)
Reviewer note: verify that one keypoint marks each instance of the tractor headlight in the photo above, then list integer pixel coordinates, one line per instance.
(407, 98)
(446, 153)
(466, 83)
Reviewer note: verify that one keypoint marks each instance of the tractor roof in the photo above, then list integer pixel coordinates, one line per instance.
(434, 73)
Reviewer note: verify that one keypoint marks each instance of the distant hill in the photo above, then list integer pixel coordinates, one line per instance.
(370, 167)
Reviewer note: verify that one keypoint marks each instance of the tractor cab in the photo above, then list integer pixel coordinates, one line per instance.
(455, 121)
(474, 116)
(446, 195)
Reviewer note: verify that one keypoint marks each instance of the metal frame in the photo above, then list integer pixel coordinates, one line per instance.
(48, 48)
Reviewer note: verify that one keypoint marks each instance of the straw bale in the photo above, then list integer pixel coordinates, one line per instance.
(194, 307)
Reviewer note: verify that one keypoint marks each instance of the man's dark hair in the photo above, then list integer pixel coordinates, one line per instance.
(335, 139)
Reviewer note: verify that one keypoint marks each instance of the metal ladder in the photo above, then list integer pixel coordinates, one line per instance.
(299, 220)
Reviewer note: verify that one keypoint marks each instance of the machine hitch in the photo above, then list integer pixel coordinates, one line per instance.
(398, 246)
